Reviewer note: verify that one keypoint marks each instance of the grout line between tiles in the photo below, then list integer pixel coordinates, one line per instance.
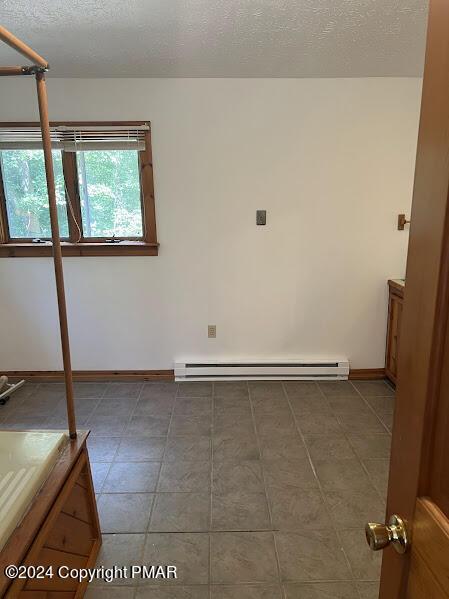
(323, 497)
(267, 498)
(156, 488)
(370, 407)
(346, 436)
(383, 499)
(211, 455)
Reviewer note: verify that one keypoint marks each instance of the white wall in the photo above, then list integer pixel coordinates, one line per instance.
(332, 162)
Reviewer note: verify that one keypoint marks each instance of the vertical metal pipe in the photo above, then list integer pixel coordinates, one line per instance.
(57, 254)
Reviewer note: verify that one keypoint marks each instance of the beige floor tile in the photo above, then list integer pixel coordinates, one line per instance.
(239, 510)
(174, 592)
(132, 477)
(387, 420)
(181, 512)
(140, 449)
(231, 389)
(302, 389)
(195, 389)
(337, 388)
(354, 404)
(120, 550)
(241, 557)
(233, 422)
(232, 446)
(368, 590)
(266, 390)
(166, 390)
(238, 476)
(360, 421)
(307, 404)
(289, 447)
(110, 592)
(189, 552)
(193, 406)
(188, 448)
(353, 509)
(155, 406)
(184, 477)
(289, 473)
(371, 445)
(311, 555)
(298, 509)
(102, 449)
(253, 591)
(82, 390)
(182, 425)
(330, 446)
(373, 388)
(321, 590)
(378, 470)
(341, 474)
(365, 563)
(99, 472)
(318, 423)
(125, 512)
(123, 390)
(381, 405)
(150, 426)
(263, 407)
(274, 425)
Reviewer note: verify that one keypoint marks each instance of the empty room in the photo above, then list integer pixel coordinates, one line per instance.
(224, 299)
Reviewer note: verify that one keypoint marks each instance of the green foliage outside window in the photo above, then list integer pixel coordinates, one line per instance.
(25, 188)
(110, 193)
(109, 188)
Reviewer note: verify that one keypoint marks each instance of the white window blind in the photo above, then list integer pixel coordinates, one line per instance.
(74, 138)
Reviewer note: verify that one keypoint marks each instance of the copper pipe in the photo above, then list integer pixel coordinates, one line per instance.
(57, 254)
(18, 45)
(8, 71)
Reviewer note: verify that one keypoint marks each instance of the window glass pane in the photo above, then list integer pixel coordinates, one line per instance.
(110, 193)
(25, 188)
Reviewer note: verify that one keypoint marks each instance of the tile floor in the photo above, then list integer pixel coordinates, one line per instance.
(254, 490)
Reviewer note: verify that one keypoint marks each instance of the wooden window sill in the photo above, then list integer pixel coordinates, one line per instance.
(124, 248)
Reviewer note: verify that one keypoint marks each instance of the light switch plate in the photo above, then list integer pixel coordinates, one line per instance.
(211, 331)
(261, 217)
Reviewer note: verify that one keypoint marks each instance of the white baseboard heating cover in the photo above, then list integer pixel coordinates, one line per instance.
(258, 370)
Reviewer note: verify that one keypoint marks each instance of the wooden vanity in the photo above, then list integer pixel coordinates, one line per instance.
(395, 300)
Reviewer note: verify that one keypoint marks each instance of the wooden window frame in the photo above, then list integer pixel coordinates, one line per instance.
(91, 246)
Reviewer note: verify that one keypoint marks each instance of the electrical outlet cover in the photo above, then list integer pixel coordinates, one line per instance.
(211, 331)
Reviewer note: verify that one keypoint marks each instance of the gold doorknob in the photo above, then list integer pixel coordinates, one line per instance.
(379, 536)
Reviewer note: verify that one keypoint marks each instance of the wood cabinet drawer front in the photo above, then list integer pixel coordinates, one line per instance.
(69, 537)
(395, 304)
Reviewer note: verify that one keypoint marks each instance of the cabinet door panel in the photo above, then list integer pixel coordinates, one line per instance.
(393, 335)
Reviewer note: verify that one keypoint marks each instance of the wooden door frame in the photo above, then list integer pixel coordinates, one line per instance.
(425, 312)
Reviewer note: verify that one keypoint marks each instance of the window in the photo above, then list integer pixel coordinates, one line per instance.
(25, 189)
(104, 189)
(110, 193)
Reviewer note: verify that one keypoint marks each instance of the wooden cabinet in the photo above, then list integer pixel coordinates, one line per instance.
(395, 301)
(68, 534)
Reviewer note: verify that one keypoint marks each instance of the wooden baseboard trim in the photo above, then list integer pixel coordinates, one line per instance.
(363, 374)
(93, 375)
(146, 375)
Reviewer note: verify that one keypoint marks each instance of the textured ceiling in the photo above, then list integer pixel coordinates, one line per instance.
(221, 38)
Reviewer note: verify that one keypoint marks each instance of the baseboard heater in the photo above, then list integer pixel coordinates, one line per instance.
(271, 370)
